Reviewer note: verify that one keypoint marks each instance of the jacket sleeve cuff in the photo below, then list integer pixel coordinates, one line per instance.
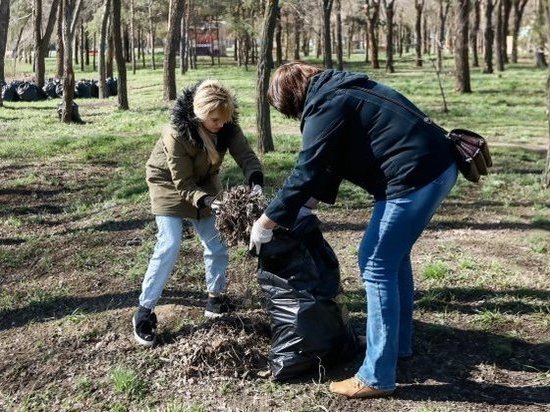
(256, 178)
(280, 214)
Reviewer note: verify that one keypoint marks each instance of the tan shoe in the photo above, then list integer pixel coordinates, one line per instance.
(354, 388)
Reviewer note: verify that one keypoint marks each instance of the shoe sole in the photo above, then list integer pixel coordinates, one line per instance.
(142, 342)
(213, 315)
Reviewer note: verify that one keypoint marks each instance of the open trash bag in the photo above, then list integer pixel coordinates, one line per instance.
(300, 277)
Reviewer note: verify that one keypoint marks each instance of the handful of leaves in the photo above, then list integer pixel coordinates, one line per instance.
(239, 210)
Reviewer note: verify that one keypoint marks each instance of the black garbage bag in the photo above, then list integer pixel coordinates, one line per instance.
(59, 89)
(112, 86)
(299, 275)
(9, 91)
(30, 92)
(94, 89)
(82, 89)
(50, 88)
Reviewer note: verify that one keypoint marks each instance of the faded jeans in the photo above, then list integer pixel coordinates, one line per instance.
(166, 252)
(385, 264)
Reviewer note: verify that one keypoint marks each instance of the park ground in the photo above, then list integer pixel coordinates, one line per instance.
(76, 234)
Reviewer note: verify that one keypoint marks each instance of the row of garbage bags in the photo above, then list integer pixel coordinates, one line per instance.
(19, 90)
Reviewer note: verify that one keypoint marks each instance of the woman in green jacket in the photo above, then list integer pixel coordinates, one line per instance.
(183, 179)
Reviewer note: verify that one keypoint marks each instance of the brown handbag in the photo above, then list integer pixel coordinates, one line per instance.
(471, 152)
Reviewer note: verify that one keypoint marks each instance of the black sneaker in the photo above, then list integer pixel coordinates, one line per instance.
(145, 325)
(216, 307)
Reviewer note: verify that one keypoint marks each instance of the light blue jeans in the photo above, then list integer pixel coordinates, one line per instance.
(166, 252)
(385, 264)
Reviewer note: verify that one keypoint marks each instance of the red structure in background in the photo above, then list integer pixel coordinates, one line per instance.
(208, 39)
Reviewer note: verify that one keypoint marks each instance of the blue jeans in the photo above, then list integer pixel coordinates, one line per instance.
(166, 252)
(385, 264)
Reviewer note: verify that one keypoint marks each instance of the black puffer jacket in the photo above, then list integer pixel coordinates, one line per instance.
(369, 134)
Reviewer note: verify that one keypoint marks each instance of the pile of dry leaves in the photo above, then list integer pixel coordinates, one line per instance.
(240, 208)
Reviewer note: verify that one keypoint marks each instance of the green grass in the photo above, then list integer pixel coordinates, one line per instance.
(127, 382)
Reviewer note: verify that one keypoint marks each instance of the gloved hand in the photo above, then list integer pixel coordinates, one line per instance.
(256, 190)
(213, 203)
(258, 236)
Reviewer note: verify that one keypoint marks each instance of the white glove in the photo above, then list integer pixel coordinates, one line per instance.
(256, 190)
(258, 236)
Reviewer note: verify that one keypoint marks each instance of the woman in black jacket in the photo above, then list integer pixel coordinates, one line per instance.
(356, 129)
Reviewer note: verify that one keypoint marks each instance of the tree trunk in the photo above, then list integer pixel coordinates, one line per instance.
(419, 6)
(351, 32)
(82, 41)
(265, 64)
(122, 91)
(475, 31)
(461, 47)
(94, 47)
(278, 37)
(297, 31)
(87, 47)
(183, 45)
(172, 42)
(42, 41)
(327, 49)
(103, 92)
(443, 13)
(389, 5)
(70, 18)
(499, 36)
(373, 15)
(152, 35)
(518, 6)
(76, 48)
(110, 46)
(4, 24)
(59, 43)
(488, 37)
(507, 8)
(133, 36)
(339, 45)
(546, 6)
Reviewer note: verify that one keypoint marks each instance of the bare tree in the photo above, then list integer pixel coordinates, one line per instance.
(474, 31)
(444, 6)
(372, 8)
(389, 7)
(151, 32)
(133, 35)
(4, 24)
(500, 35)
(546, 6)
(42, 41)
(519, 7)
(59, 43)
(298, 22)
(461, 46)
(103, 92)
(419, 6)
(122, 90)
(327, 41)
(265, 64)
(172, 42)
(339, 46)
(488, 36)
(71, 9)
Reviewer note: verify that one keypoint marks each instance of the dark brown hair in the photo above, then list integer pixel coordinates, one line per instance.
(288, 87)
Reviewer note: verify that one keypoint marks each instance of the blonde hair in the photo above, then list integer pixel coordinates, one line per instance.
(212, 95)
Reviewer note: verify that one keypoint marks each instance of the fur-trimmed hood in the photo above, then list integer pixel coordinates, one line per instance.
(185, 122)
